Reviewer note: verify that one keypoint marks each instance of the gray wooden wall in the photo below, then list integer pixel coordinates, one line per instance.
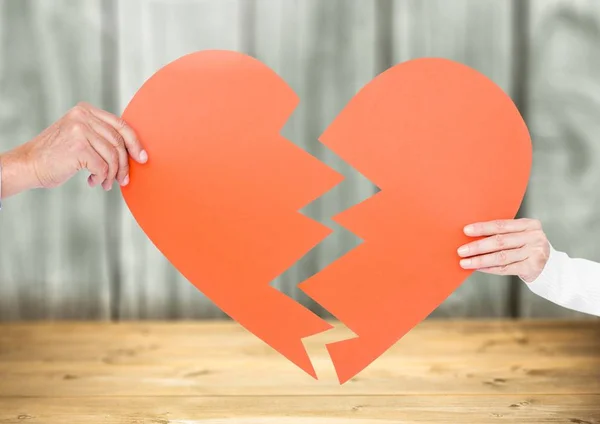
(76, 253)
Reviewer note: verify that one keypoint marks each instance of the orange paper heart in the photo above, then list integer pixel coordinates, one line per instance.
(220, 194)
(447, 147)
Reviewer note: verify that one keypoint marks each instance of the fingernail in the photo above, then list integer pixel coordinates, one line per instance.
(143, 156)
(125, 180)
(469, 230)
(463, 250)
(465, 263)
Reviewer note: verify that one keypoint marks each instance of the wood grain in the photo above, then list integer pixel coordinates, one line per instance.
(152, 34)
(480, 35)
(53, 245)
(462, 371)
(224, 359)
(304, 410)
(564, 106)
(326, 51)
(59, 257)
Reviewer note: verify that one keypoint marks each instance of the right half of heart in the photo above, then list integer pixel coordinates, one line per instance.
(447, 147)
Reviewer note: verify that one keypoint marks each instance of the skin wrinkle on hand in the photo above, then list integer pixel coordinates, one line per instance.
(85, 137)
(509, 247)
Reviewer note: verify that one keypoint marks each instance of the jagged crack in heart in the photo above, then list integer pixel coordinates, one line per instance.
(221, 194)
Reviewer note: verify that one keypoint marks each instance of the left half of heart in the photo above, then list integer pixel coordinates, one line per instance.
(221, 193)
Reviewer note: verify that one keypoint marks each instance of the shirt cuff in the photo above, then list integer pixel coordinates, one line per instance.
(547, 284)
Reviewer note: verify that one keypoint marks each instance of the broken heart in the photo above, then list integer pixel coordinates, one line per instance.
(221, 192)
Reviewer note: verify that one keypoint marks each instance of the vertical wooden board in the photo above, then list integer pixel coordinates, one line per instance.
(52, 243)
(478, 34)
(564, 112)
(326, 51)
(153, 33)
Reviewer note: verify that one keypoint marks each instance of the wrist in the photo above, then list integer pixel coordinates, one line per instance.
(542, 268)
(17, 172)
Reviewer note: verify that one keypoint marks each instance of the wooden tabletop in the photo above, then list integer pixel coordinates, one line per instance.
(216, 372)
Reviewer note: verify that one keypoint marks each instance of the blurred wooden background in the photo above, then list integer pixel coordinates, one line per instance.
(76, 253)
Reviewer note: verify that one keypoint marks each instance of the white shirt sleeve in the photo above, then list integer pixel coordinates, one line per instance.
(569, 282)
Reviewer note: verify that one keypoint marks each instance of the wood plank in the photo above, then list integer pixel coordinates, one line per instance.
(152, 34)
(564, 105)
(191, 359)
(478, 34)
(52, 243)
(285, 37)
(304, 409)
(326, 51)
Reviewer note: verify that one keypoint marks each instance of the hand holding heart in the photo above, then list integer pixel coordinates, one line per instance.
(221, 196)
(509, 247)
(84, 138)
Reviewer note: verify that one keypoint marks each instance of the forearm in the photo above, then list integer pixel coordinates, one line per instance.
(569, 282)
(16, 172)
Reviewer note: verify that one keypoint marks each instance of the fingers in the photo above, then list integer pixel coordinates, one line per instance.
(108, 154)
(512, 269)
(114, 138)
(112, 130)
(88, 137)
(132, 144)
(506, 247)
(97, 166)
(496, 243)
(502, 226)
(496, 259)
